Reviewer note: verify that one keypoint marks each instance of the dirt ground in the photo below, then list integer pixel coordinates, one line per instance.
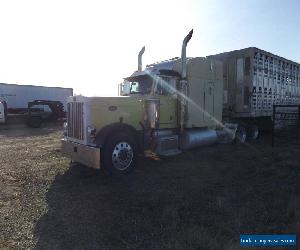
(201, 199)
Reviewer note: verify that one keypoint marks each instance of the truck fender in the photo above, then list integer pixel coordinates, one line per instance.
(114, 128)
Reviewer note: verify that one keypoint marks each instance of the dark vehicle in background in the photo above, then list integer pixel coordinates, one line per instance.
(41, 111)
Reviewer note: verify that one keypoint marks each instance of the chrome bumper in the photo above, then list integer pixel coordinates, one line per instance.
(80, 153)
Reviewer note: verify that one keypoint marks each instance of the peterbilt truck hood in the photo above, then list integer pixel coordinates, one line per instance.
(108, 110)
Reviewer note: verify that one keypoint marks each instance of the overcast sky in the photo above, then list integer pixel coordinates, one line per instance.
(91, 45)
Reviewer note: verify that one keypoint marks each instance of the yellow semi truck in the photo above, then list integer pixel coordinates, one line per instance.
(168, 107)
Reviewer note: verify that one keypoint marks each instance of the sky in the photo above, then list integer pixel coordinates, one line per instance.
(92, 45)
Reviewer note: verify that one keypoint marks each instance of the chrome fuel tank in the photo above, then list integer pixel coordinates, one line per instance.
(197, 137)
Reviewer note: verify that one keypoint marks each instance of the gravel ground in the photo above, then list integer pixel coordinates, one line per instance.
(202, 199)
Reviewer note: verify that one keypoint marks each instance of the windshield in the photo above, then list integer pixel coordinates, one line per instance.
(141, 86)
(163, 85)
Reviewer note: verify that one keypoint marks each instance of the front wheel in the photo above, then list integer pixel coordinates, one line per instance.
(119, 154)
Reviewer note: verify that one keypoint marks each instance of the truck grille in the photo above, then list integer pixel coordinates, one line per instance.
(75, 120)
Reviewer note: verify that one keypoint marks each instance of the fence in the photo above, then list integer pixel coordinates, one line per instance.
(286, 118)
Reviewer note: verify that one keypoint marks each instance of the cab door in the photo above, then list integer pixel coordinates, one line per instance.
(168, 118)
(166, 91)
(209, 101)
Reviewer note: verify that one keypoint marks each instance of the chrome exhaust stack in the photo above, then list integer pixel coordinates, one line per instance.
(183, 81)
(183, 55)
(140, 64)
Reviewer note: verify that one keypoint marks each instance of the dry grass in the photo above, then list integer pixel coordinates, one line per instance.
(202, 199)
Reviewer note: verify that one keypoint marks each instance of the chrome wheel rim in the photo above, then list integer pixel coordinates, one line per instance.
(122, 156)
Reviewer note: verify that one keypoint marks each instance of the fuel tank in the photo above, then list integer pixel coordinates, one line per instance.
(197, 137)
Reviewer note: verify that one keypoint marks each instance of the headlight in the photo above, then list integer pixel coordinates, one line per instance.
(91, 131)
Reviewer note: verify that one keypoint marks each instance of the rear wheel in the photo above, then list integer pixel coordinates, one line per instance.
(241, 134)
(252, 132)
(119, 154)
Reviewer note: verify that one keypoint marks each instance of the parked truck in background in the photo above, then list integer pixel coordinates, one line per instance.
(168, 107)
(44, 111)
(17, 96)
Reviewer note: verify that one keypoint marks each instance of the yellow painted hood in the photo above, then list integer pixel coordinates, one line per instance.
(108, 110)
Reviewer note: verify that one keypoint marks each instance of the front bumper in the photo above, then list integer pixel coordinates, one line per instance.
(86, 155)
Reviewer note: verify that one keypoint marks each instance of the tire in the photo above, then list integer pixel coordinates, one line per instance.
(119, 154)
(34, 122)
(252, 132)
(241, 134)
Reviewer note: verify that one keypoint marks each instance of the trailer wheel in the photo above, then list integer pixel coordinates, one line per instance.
(241, 134)
(119, 154)
(252, 132)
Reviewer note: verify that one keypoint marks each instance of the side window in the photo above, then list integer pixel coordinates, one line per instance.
(161, 87)
(41, 108)
(37, 107)
(47, 109)
(134, 87)
(172, 86)
(166, 86)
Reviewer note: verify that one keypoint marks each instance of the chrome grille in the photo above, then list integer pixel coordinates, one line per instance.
(75, 120)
